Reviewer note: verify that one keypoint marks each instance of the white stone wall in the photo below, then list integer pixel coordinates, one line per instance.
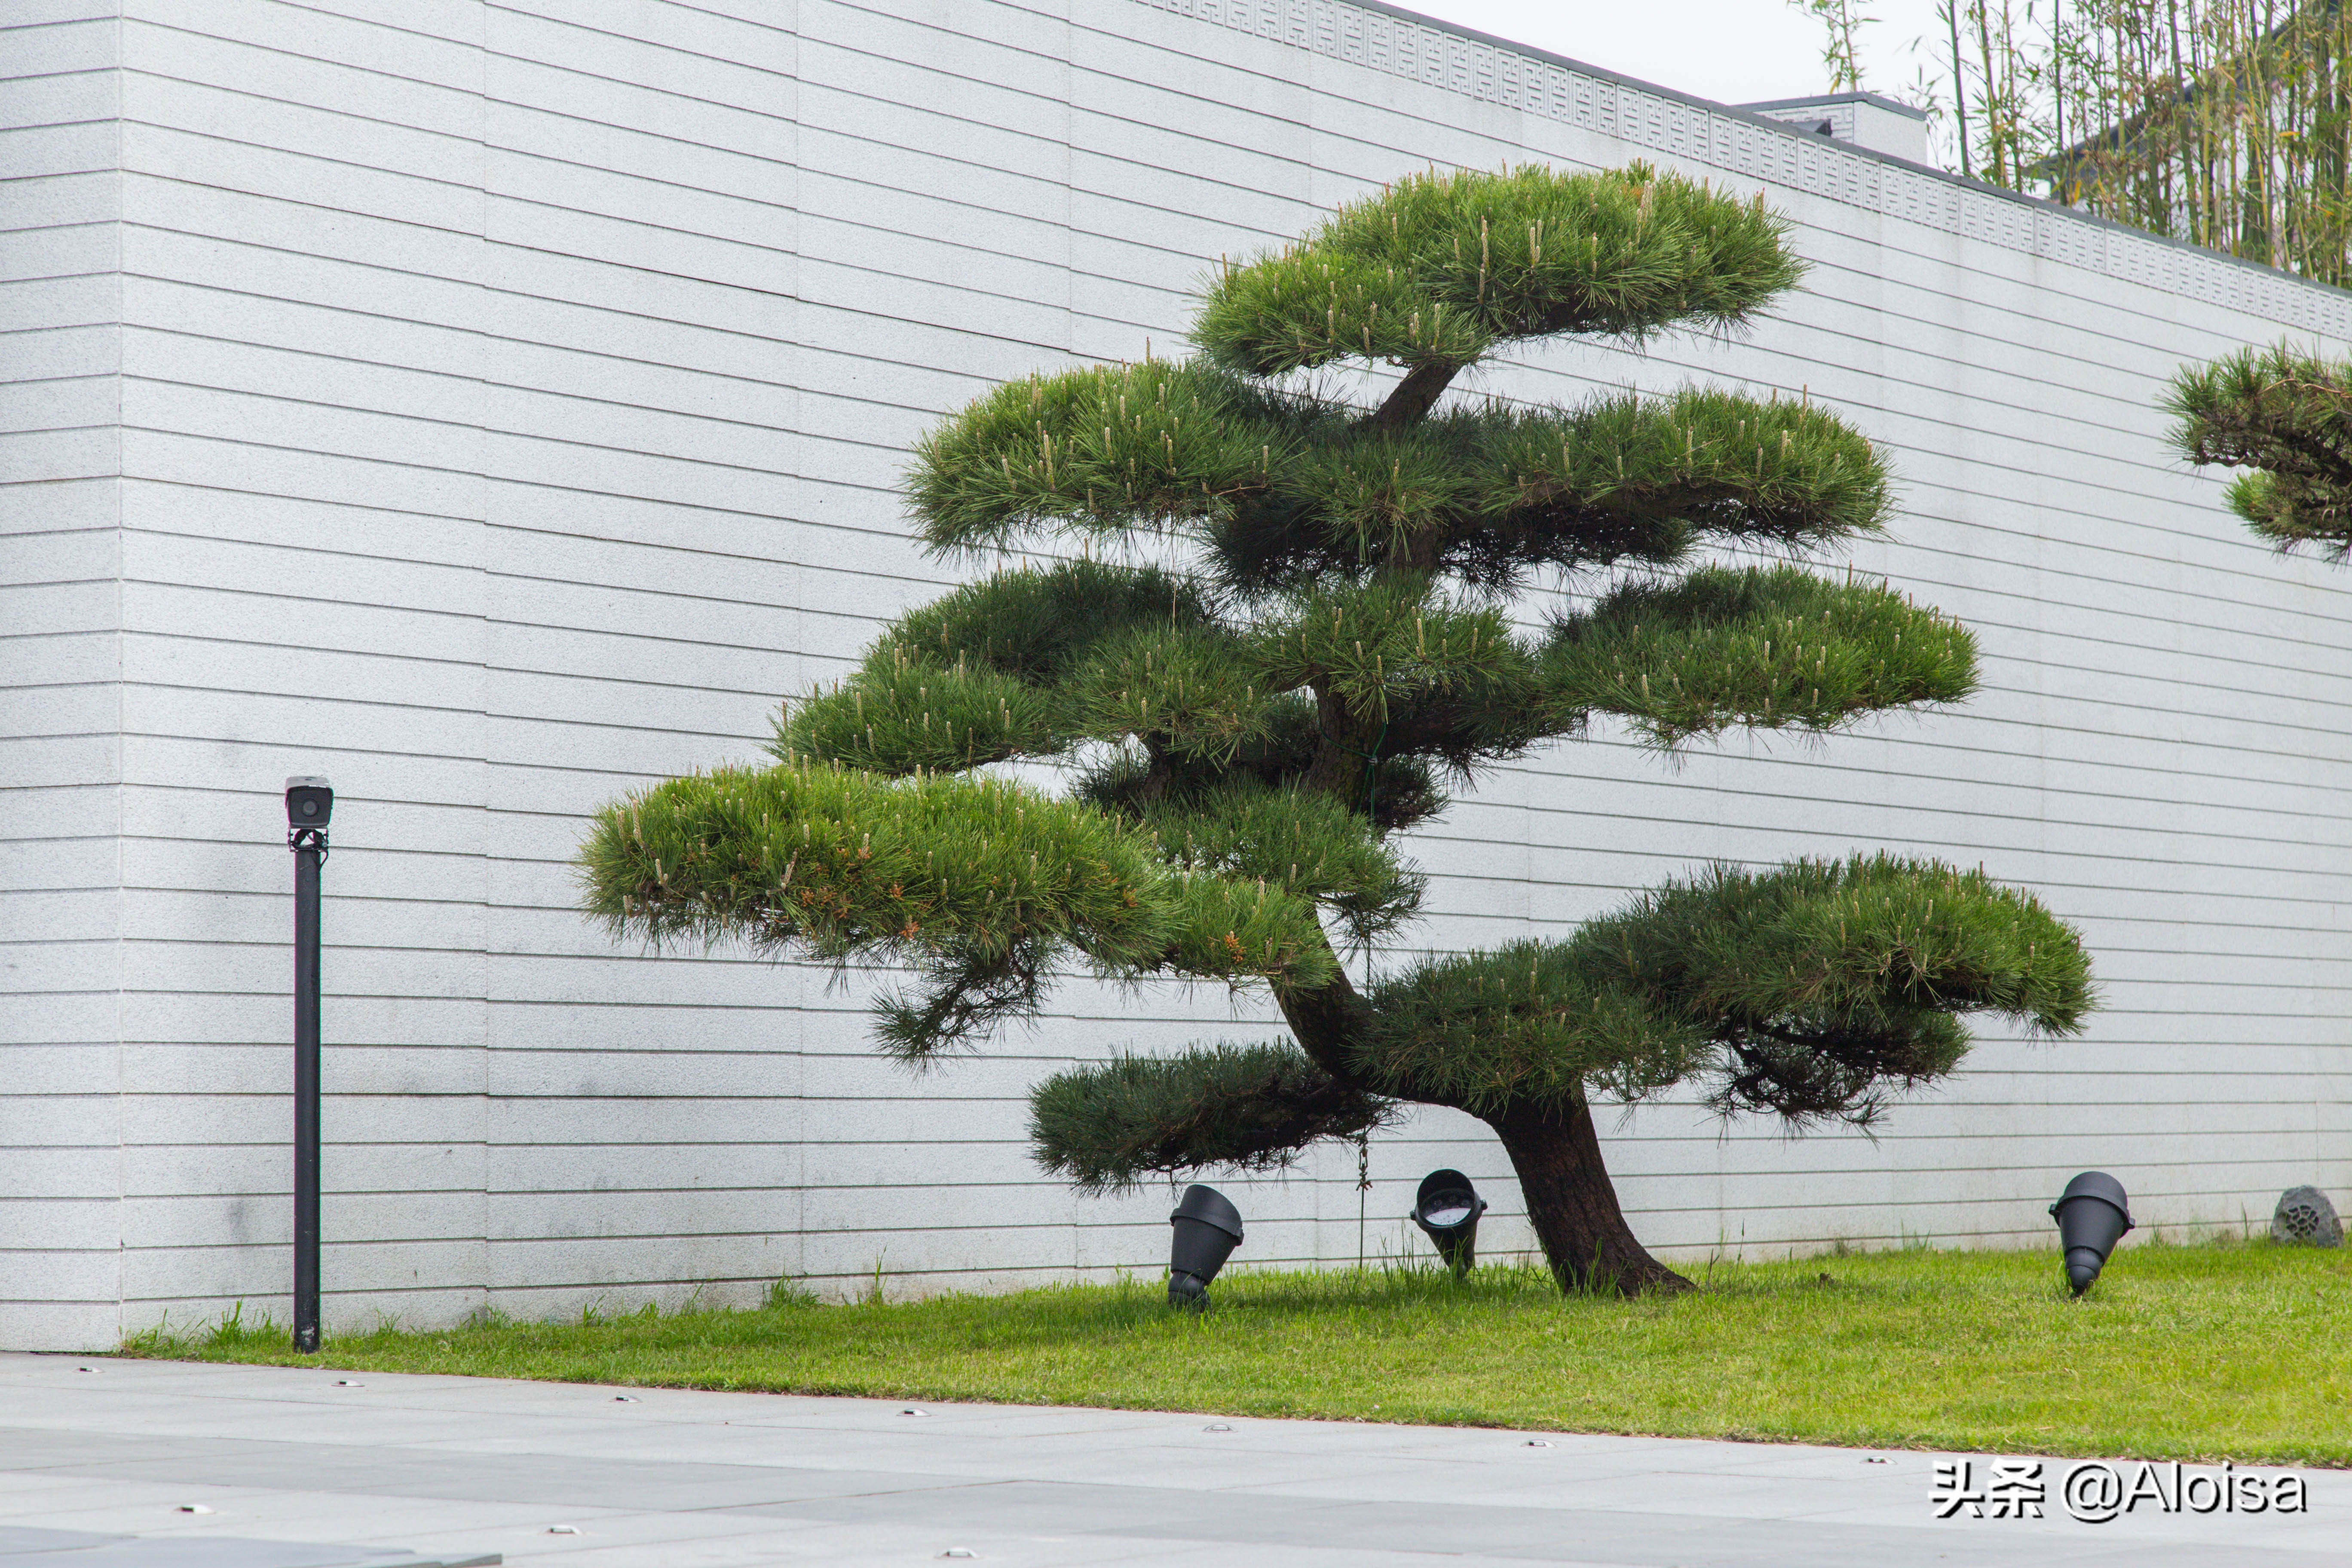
(497, 406)
(61, 812)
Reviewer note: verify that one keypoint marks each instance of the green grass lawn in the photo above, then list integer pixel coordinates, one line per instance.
(2193, 1352)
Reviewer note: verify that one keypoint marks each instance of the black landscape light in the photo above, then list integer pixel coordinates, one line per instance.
(1208, 1228)
(2093, 1213)
(1447, 1208)
(308, 804)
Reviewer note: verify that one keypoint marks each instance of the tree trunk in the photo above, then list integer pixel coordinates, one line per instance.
(1410, 401)
(1573, 1205)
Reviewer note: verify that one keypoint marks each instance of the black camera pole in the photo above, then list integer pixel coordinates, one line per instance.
(309, 803)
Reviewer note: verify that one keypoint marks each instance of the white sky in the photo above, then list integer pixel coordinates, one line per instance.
(1735, 51)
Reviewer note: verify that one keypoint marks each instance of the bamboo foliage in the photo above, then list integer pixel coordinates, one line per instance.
(2227, 124)
(1841, 23)
(2001, 85)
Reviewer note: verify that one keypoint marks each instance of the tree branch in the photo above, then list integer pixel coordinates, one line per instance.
(1327, 1021)
(1410, 401)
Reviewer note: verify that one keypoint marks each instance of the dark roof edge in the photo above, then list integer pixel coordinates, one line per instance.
(1784, 129)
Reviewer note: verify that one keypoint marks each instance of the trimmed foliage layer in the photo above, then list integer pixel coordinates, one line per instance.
(2284, 414)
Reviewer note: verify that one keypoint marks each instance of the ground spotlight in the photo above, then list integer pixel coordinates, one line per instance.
(1208, 1228)
(1447, 1208)
(2093, 1214)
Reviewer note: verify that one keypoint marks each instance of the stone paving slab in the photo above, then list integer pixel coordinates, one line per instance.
(300, 1468)
(85, 1549)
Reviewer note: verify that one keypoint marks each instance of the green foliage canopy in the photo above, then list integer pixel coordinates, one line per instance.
(2286, 416)
(1307, 638)
(1806, 991)
(1443, 268)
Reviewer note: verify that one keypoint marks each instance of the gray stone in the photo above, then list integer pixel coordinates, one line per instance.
(316, 1480)
(80, 1548)
(2305, 1218)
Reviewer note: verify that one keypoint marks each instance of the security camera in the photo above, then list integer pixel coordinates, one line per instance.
(309, 802)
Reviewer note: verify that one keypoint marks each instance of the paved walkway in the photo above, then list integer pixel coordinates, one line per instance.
(109, 1464)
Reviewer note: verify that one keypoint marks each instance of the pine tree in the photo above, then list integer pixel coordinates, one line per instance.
(1288, 633)
(2283, 415)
